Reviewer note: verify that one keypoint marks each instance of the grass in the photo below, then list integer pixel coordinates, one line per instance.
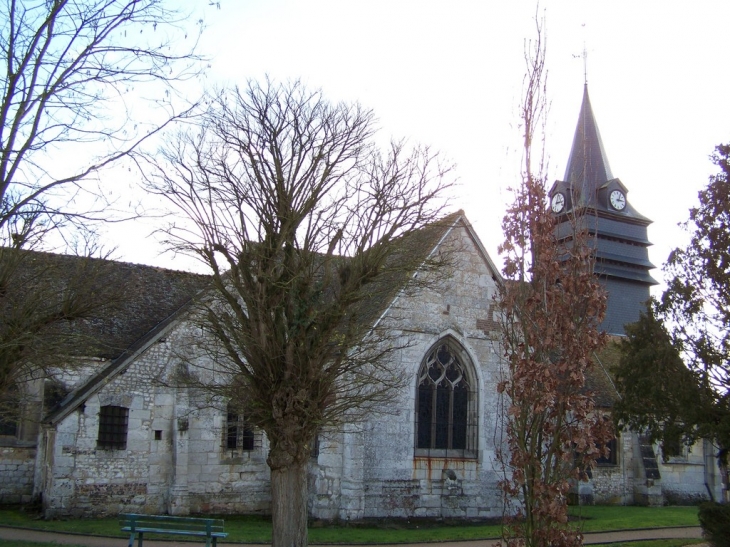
(652, 543)
(252, 529)
(18, 543)
(604, 518)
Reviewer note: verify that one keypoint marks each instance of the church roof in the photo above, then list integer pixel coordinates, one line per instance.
(119, 302)
(588, 167)
(588, 178)
(599, 380)
(414, 248)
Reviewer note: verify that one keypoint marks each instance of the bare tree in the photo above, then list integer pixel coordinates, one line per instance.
(309, 231)
(67, 68)
(46, 303)
(552, 305)
(67, 71)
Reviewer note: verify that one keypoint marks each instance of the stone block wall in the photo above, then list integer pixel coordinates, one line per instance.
(223, 481)
(394, 480)
(613, 484)
(174, 461)
(16, 472)
(685, 478)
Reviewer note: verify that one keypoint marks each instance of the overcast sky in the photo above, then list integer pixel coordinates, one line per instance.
(449, 74)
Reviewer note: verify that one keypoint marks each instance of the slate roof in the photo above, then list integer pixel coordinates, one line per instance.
(414, 250)
(587, 164)
(587, 171)
(139, 297)
(598, 376)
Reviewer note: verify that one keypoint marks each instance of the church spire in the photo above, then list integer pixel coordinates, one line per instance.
(587, 168)
(591, 198)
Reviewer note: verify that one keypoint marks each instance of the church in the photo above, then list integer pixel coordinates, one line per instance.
(119, 437)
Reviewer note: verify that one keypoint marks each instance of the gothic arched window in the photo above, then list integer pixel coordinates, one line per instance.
(446, 423)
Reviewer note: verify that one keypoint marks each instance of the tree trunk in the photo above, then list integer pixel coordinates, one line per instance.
(289, 506)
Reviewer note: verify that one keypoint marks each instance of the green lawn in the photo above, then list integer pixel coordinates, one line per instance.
(251, 529)
(653, 543)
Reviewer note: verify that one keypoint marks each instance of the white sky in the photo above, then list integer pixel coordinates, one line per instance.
(449, 74)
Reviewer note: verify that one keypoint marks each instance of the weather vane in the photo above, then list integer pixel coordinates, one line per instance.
(584, 56)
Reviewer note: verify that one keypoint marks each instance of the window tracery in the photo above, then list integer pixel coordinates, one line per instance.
(446, 413)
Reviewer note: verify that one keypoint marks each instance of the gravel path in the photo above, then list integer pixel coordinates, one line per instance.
(96, 541)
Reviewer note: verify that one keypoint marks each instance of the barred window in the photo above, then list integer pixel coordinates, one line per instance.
(446, 403)
(239, 433)
(113, 422)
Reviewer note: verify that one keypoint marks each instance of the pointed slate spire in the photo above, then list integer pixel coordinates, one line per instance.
(590, 194)
(588, 167)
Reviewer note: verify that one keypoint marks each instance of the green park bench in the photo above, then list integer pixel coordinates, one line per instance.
(138, 525)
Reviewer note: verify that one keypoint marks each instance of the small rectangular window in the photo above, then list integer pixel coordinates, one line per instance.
(314, 446)
(239, 434)
(113, 428)
(8, 426)
(673, 447)
(612, 458)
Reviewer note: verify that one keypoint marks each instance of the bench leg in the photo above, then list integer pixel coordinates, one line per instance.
(131, 539)
(215, 541)
(141, 534)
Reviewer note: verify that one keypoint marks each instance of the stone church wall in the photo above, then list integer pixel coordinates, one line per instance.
(396, 482)
(221, 480)
(88, 480)
(686, 479)
(613, 484)
(16, 474)
(176, 459)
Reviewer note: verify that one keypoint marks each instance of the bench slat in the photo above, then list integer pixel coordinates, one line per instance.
(138, 525)
(202, 533)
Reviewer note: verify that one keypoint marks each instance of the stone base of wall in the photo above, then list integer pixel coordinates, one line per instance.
(16, 474)
(99, 500)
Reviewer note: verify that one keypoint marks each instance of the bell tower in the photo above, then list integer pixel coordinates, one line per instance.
(592, 196)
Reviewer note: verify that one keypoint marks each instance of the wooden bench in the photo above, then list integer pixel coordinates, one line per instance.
(139, 525)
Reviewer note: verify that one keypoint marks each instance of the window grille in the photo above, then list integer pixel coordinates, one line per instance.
(446, 404)
(113, 422)
(239, 433)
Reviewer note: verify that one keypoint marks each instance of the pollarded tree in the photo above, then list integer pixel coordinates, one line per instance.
(307, 228)
(552, 305)
(692, 317)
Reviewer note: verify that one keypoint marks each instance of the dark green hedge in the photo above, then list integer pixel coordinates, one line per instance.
(715, 522)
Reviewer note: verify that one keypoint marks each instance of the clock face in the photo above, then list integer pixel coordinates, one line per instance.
(618, 200)
(558, 202)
